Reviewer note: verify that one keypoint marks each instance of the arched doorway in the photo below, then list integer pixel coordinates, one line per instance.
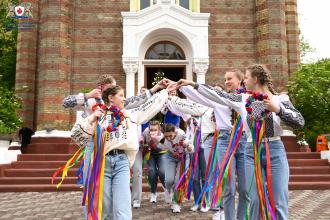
(168, 53)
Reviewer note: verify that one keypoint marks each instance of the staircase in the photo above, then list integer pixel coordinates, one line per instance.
(308, 171)
(33, 171)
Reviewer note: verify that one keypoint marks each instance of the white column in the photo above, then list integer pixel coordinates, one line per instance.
(130, 66)
(200, 67)
(130, 79)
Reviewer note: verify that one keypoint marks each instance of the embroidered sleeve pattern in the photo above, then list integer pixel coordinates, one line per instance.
(150, 108)
(221, 97)
(80, 135)
(136, 101)
(290, 115)
(72, 101)
(187, 107)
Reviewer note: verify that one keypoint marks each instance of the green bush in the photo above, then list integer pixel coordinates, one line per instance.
(309, 90)
(9, 104)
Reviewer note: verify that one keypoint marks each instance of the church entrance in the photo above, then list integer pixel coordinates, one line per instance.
(154, 73)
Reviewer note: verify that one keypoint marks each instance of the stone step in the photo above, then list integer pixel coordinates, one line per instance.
(35, 172)
(39, 188)
(309, 178)
(310, 170)
(39, 164)
(51, 148)
(53, 188)
(321, 185)
(50, 140)
(44, 157)
(308, 162)
(35, 180)
(303, 155)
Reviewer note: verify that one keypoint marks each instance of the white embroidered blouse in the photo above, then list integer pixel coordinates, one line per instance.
(126, 136)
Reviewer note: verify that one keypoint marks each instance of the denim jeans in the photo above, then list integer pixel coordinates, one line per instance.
(237, 167)
(87, 161)
(199, 178)
(137, 177)
(280, 178)
(172, 173)
(116, 192)
(156, 168)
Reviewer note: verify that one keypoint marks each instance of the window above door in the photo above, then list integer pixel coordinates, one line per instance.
(165, 50)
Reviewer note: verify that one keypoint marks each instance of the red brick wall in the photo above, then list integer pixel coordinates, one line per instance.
(231, 36)
(243, 32)
(97, 42)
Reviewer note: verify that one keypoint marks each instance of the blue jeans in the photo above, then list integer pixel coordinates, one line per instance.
(199, 178)
(87, 161)
(116, 192)
(280, 179)
(238, 165)
(172, 173)
(156, 168)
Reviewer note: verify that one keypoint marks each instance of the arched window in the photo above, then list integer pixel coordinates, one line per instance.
(137, 5)
(165, 51)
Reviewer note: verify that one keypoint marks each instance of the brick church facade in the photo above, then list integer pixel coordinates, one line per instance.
(74, 41)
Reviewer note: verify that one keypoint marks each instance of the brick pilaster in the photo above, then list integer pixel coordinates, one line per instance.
(292, 33)
(54, 63)
(271, 39)
(26, 66)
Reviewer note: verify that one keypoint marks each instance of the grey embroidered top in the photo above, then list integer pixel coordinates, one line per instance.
(288, 114)
(82, 103)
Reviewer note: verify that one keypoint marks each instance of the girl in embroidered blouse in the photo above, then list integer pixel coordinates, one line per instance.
(120, 147)
(258, 79)
(178, 145)
(156, 160)
(233, 81)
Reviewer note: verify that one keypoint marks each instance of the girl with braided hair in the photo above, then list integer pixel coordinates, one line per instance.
(266, 164)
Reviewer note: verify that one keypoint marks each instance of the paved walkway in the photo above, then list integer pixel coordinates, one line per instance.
(311, 205)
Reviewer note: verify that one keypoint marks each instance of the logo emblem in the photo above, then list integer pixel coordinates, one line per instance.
(23, 10)
(19, 11)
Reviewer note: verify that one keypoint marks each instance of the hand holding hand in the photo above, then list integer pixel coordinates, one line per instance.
(95, 93)
(171, 87)
(185, 82)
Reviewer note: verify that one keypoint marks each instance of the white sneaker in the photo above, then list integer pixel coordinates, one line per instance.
(176, 208)
(136, 204)
(194, 208)
(153, 198)
(206, 209)
(219, 215)
(168, 198)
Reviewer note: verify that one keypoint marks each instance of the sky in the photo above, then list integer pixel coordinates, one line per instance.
(314, 23)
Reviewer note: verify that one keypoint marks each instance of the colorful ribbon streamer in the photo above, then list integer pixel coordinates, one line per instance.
(187, 177)
(263, 177)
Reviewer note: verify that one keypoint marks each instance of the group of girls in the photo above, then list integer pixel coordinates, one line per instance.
(233, 132)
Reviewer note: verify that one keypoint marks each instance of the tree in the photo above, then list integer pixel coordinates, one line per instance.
(309, 89)
(9, 104)
(305, 48)
(8, 41)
